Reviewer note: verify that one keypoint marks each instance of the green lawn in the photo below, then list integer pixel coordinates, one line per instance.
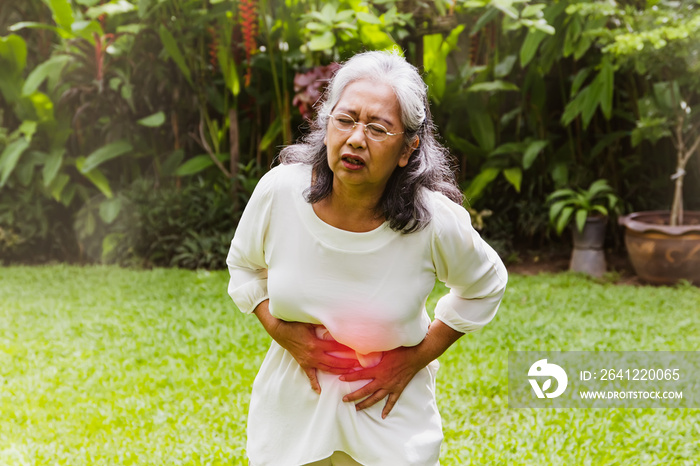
(102, 365)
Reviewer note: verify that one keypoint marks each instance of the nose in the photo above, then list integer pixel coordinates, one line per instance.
(357, 136)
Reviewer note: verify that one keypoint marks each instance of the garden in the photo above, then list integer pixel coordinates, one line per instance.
(133, 132)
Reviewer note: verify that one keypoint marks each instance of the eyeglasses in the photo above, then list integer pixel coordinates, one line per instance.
(374, 131)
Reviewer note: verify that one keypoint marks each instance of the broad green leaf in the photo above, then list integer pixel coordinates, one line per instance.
(607, 78)
(173, 50)
(482, 129)
(667, 95)
(87, 30)
(367, 18)
(13, 55)
(529, 48)
(52, 165)
(480, 182)
(556, 209)
(597, 187)
(329, 10)
(34, 25)
(95, 176)
(435, 65)
(574, 108)
(579, 79)
(62, 13)
(504, 68)
(560, 174)
(171, 163)
(105, 153)
(153, 121)
(194, 165)
(573, 33)
(143, 6)
(606, 141)
(490, 15)
(375, 37)
(514, 175)
(508, 148)
(109, 243)
(533, 149)
(28, 129)
(491, 86)
(10, 156)
(51, 67)
(271, 134)
(57, 186)
(581, 216)
(109, 209)
(465, 146)
(324, 41)
(564, 218)
(228, 68)
(110, 9)
(43, 106)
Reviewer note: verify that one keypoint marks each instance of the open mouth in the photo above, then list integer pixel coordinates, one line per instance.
(355, 162)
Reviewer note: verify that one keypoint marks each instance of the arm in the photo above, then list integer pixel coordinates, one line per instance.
(300, 340)
(398, 367)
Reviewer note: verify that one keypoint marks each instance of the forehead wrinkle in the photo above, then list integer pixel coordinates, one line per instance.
(372, 117)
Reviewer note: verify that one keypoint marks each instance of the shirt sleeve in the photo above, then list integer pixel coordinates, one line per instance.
(469, 267)
(246, 260)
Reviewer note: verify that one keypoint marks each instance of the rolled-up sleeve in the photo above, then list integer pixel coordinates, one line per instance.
(469, 267)
(246, 260)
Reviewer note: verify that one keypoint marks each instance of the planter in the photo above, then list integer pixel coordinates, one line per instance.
(588, 256)
(662, 254)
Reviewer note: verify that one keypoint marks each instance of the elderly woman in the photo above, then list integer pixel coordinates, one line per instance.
(336, 253)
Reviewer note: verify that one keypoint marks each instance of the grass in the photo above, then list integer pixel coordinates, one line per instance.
(106, 366)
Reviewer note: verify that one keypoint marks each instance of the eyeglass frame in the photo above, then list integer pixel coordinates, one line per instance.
(364, 130)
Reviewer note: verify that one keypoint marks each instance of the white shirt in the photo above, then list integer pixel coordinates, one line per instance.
(369, 291)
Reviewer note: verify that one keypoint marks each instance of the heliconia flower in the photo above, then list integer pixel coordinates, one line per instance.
(213, 47)
(248, 12)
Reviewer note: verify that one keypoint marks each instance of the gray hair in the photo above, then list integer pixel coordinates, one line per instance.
(402, 203)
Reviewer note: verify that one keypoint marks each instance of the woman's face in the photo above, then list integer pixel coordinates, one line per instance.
(357, 161)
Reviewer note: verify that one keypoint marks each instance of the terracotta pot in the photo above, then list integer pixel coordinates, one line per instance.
(588, 256)
(662, 254)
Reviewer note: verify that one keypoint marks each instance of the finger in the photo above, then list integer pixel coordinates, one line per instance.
(390, 402)
(335, 370)
(358, 375)
(342, 363)
(311, 374)
(371, 400)
(362, 392)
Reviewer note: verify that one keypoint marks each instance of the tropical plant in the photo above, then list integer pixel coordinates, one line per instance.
(659, 41)
(578, 204)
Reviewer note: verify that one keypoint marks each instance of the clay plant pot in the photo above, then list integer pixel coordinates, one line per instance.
(662, 254)
(587, 255)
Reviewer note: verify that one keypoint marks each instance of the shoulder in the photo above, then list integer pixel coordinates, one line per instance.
(446, 215)
(283, 179)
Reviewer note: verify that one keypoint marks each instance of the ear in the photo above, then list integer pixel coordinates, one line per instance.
(403, 161)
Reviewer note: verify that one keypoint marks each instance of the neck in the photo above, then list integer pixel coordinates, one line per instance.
(351, 209)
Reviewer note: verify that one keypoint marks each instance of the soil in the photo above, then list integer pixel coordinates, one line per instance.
(535, 262)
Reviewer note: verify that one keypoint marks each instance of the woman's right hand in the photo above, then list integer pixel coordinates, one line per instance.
(309, 351)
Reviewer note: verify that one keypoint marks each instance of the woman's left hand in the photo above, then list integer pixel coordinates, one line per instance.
(389, 378)
(398, 367)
